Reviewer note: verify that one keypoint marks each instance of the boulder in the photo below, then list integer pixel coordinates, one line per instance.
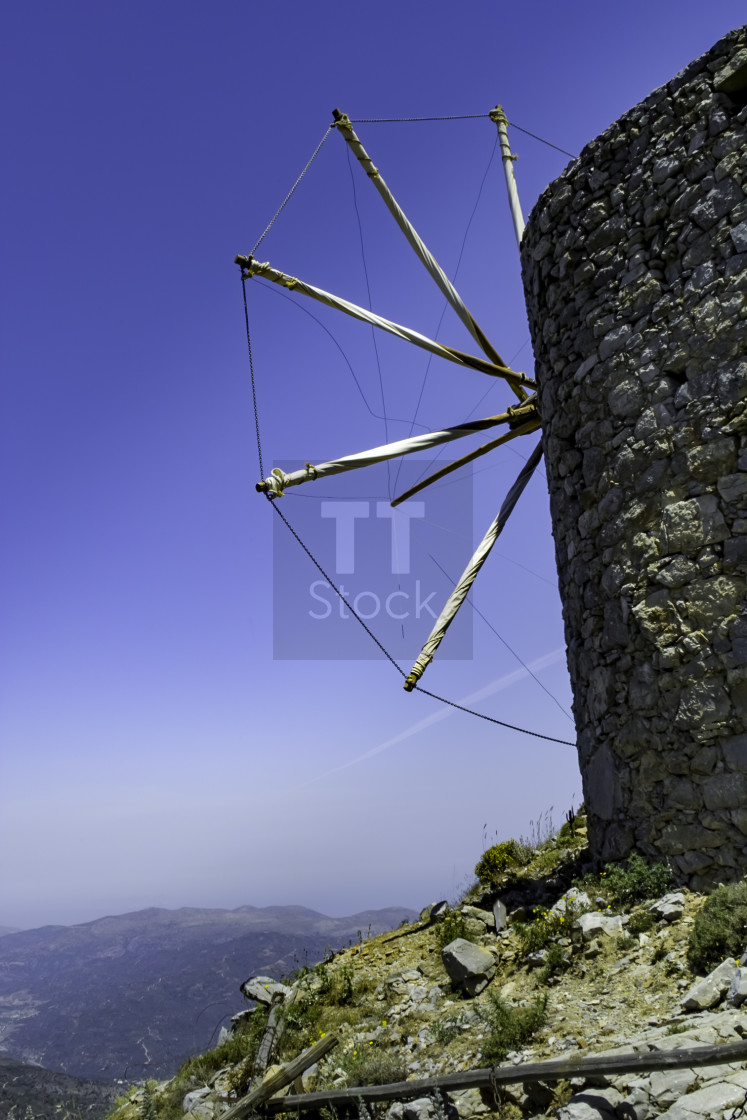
(737, 993)
(419, 1109)
(671, 907)
(596, 924)
(434, 910)
(199, 1104)
(470, 968)
(309, 1079)
(500, 914)
(468, 1103)
(574, 899)
(711, 990)
(263, 989)
(484, 916)
(591, 1104)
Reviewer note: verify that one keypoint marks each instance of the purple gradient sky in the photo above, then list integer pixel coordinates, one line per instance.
(152, 751)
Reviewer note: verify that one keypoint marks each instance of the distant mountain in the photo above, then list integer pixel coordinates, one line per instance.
(50, 1094)
(8, 929)
(132, 996)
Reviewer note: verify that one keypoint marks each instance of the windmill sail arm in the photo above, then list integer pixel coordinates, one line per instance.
(342, 123)
(460, 592)
(276, 483)
(525, 429)
(250, 267)
(499, 119)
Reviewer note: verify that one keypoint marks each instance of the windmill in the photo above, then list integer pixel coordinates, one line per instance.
(518, 419)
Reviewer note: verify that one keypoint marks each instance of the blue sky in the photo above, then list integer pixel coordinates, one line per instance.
(153, 752)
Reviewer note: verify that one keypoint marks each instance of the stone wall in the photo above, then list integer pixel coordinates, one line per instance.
(635, 270)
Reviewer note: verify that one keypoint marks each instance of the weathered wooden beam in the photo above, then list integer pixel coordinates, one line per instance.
(272, 1034)
(554, 1070)
(283, 1077)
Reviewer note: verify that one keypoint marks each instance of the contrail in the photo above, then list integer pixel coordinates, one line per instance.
(498, 685)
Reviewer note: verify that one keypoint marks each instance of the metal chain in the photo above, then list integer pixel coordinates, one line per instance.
(492, 719)
(254, 384)
(334, 586)
(425, 691)
(287, 198)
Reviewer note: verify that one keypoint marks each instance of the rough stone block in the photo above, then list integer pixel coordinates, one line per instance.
(596, 924)
(263, 989)
(733, 487)
(671, 907)
(737, 994)
(711, 990)
(717, 204)
(735, 752)
(738, 236)
(500, 915)
(725, 791)
(470, 968)
(690, 524)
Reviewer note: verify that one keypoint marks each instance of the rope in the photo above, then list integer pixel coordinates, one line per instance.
(462, 117)
(254, 385)
(301, 307)
(443, 309)
(370, 306)
(287, 198)
(536, 137)
(407, 120)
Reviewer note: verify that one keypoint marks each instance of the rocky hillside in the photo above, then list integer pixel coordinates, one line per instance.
(54, 1095)
(131, 996)
(527, 967)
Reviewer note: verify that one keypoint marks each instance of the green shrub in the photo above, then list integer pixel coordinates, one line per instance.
(641, 922)
(636, 881)
(556, 961)
(338, 984)
(148, 1106)
(368, 1065)
(301, 1019)
(510, 1027)
(544, 927)
(450, 928)
(498, 859)
(720, 929)
(444, 1031)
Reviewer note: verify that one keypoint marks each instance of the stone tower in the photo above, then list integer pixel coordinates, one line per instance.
(635, 271)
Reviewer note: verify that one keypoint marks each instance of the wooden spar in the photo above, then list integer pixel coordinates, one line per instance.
(272, 1034)
(250, 267)
(280, 1079)
(342, 123)
(499, 117)
(470, 573)
(278, 481)
(527, 1072)
(524, 429)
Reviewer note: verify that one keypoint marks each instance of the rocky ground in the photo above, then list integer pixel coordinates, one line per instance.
(417, 1003)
